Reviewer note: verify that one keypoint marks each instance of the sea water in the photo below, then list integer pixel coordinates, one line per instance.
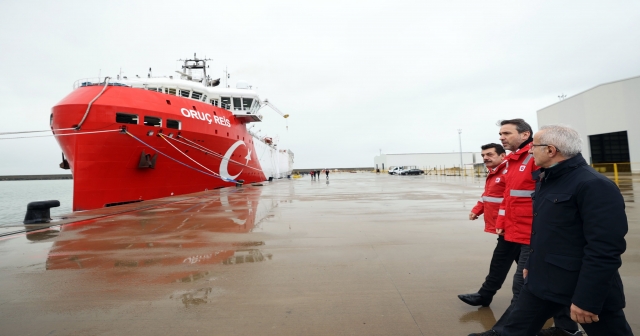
(15, 195)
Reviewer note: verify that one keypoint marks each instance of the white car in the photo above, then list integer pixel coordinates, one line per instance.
(395, 170)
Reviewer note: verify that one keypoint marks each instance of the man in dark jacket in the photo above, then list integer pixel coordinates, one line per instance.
(577, 238)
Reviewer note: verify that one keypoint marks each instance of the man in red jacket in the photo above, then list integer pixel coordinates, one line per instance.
(516, 215)
(505, 252)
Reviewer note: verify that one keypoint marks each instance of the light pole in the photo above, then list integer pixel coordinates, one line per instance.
(460, 142)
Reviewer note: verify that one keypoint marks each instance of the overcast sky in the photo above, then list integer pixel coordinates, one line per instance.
(355, 76)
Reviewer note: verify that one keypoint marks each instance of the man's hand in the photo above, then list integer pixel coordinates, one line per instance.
(582, 316)
(472, 216)
(500, 232)
(525, 272)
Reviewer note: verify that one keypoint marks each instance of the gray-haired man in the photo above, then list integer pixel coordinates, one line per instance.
(577, 239)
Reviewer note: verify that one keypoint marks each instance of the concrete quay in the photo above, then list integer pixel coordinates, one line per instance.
(358, 254)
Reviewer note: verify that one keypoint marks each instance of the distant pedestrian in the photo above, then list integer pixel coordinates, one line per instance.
(313, 175)
(327, 172)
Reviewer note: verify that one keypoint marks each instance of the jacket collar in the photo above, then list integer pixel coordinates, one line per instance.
(559, 169)
(524, 148)
(528, 141)
(496, 169)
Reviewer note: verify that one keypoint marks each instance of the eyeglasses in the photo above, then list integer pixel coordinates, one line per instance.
(557, 150)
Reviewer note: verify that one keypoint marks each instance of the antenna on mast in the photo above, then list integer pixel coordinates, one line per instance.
(226, 76)
(195, 64)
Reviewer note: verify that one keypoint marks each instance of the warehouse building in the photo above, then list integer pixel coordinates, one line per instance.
(427, 161)
(608, 119)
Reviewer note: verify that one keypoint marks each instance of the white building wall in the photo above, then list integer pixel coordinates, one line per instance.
(606, 108)
(427, 160)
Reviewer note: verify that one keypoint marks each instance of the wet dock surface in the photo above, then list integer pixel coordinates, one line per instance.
(361, 254)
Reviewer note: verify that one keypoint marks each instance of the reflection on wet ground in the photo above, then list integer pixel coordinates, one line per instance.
(365, 254)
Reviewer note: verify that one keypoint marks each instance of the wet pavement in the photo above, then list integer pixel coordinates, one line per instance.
(361, 254)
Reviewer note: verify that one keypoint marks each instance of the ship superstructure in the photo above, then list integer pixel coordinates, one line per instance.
(132, 139)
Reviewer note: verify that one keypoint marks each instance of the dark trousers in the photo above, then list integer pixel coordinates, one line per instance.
(562, 318)
(531, 312)
(504, 255)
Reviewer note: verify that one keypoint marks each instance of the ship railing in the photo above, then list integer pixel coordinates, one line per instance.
(94, 81)
(264, 139)
(248, 114)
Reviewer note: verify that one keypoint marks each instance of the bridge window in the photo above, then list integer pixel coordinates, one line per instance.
(214, 102)
(152, 121)
(226, 102)
(204, 99)
(125, 118)
(185, 93)
(246, 103)
(170, 91)
(196, 95)
(237, 104)
(175, 124)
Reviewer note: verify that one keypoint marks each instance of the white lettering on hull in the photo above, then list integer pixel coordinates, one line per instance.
(205, 117)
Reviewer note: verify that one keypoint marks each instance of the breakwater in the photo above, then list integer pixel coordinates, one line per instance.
(36, 177)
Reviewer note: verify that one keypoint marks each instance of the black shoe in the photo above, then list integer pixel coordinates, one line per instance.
(475, 299)
(487, 333)
(555, 331)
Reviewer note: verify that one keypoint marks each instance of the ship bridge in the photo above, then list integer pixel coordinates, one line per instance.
(194, 83)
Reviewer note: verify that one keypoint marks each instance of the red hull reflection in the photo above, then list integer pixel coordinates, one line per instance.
(179, 237)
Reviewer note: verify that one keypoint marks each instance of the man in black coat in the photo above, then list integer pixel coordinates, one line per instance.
(577, 239)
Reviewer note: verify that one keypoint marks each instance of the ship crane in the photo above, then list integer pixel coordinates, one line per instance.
(266, 102)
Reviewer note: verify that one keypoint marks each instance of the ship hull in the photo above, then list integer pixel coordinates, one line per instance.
(211, 149)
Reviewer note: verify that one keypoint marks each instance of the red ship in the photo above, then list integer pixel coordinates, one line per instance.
(129, 140)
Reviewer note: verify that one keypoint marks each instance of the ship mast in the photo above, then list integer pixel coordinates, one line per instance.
(196, 64)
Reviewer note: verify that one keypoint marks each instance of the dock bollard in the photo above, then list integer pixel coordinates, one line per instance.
(239, 183)
(39, 212)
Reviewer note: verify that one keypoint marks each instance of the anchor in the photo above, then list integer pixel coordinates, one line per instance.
(147, 161)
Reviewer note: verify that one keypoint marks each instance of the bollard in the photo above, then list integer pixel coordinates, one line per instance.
(38, 212)
(615, 174)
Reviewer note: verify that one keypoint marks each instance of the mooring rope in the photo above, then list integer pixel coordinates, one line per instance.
(208, 151)
(27, 137)
(182, 163)
(49, 130)
(106, 84)
(185, 154)
(65, 134)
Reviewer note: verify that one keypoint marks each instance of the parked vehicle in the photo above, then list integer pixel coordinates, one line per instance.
(395, 170)
(414, 171)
